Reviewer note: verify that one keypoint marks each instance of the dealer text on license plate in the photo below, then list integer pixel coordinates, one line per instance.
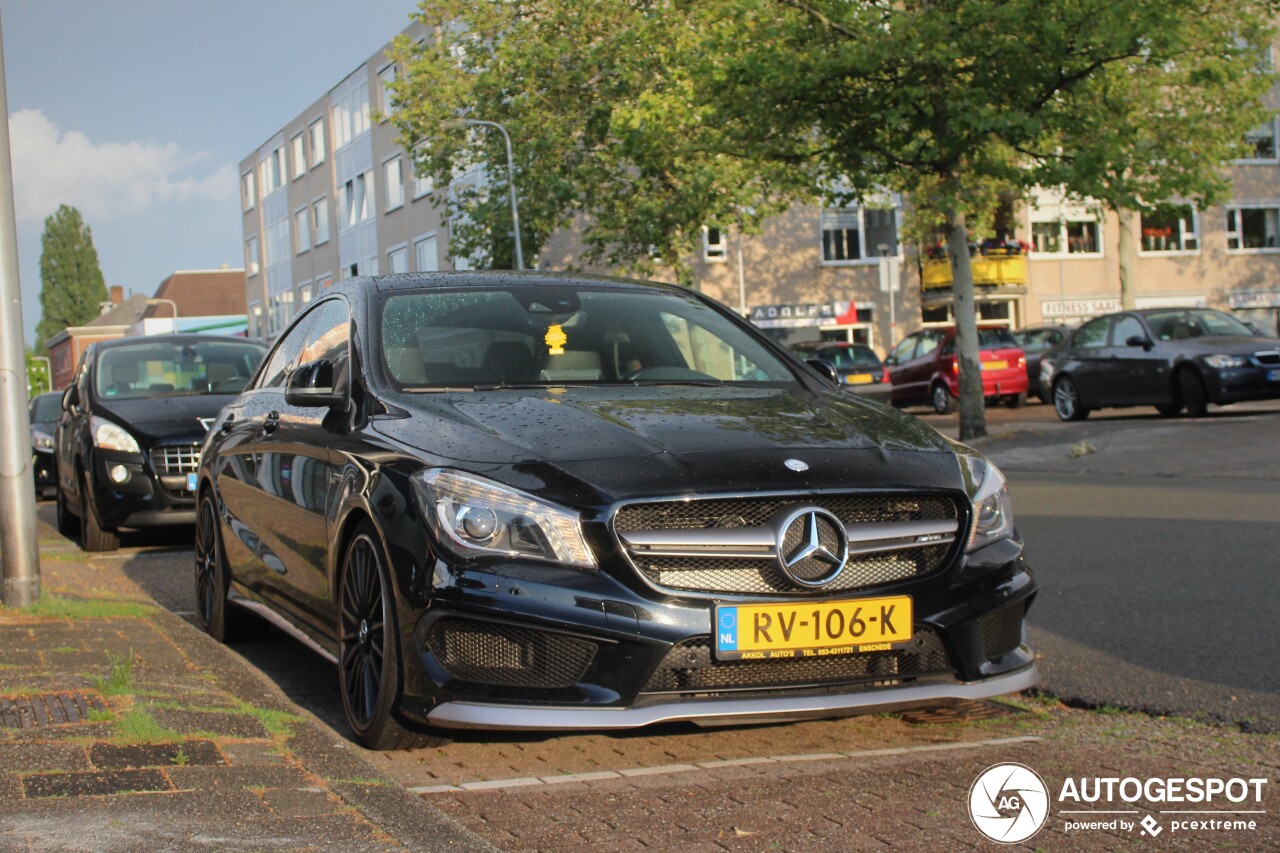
(811, 629)
(995, 365)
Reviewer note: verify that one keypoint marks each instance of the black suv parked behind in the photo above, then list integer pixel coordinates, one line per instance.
(132, 423)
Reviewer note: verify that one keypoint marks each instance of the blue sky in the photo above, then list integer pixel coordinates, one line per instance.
(138, 111)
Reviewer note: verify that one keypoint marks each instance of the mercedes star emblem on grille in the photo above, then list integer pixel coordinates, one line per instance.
(812, 546)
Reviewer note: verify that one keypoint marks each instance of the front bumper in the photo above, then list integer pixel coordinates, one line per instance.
(42, 464)
(142, 500)
(1240, 384)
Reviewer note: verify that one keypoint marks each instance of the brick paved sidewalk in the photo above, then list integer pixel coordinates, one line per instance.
(124, 728)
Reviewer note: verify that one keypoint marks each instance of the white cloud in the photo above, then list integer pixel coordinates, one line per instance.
(104, 180)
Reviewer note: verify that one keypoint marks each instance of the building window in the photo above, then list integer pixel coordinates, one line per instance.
(1174, 229)
(316, 132)
(320, 216)
(714, 247)
(1260, 144)
(422, 185)
(301, 231)
(278, 243)
(398, 260)
(351, 115)
(355, 202)
(251, 256)
(426, 255)
(1253, 228)
(393, 174)
(858, 233)
(248, 191)
(324, 282)
(273, 171)
(255, 319)
(299, 151)
(386, 77)
(304, 296)
(1061, 226)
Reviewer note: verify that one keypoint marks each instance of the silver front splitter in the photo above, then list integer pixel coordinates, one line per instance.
(478, 715)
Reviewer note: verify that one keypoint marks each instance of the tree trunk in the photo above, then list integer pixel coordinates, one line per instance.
(973, 415)
(1128, 251)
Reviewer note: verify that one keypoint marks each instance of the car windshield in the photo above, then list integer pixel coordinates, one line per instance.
(557, 335)
(46, 408)
(170, 369)
(844, 358)
(1195, 323)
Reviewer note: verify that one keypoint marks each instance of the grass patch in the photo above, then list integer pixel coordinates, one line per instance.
(121, 677)
(279, 724)
(140, 727)
(97, 716)
(58, 607)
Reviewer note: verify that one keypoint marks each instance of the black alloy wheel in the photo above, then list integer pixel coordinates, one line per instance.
(93, 537)
(1193, 393)
(943, 402)
(216, 616)
(368, 649)
(1066, 400)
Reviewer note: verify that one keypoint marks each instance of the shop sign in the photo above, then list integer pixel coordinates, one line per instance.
(804, 314)
(1254, 299)
(1078, 307)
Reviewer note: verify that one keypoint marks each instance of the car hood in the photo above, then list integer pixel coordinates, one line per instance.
(1225, 345)
(165, 419)
(675, 438)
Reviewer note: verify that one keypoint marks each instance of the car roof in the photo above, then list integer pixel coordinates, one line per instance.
(180, 338)
(480, 279)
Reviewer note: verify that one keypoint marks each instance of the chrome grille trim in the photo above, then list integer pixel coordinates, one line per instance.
(758, 542)
(176, 459)
(1268, 357)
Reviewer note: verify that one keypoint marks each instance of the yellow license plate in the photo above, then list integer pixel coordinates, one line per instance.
(995, 365)
(811, 629)
(857, 379)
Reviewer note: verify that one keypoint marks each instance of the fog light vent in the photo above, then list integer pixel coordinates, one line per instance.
(1002, 631)
(507, 655)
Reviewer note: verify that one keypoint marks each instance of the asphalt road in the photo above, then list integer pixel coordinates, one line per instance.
(1157, 570)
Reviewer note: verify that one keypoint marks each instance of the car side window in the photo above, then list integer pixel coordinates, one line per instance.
(902, 352)
(329, 334)
(928, 343)
(1092, 334)
(1126, 327)
(284, 356)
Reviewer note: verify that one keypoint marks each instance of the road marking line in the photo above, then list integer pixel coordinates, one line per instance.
(671, 769)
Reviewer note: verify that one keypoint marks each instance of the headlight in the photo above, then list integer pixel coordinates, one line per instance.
(478, 517)
(992, 509)
(42, 441)
(111, 436)
(1221, 361)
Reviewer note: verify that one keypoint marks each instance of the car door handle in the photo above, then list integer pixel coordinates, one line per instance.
(271, 422)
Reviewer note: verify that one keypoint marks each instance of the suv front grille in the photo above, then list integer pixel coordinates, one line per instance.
(176, 459)
(690, 667)
(727, 545)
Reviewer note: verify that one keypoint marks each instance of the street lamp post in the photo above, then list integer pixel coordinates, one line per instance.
(48, 370)
(160, 300)
(454, 124)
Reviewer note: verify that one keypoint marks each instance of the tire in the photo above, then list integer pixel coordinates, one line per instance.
(215, 615)
(1193, 393)
(93, 536)
(369, 648)
(68, 524)
(1066, 400)
(1016, 401)
(1169, 410)
(943, 402)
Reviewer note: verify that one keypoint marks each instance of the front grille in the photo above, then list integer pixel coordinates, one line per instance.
(1268, 358)
(508, 655)
(176, 459)
(690, 667)
(709, 572)
(1002, 631)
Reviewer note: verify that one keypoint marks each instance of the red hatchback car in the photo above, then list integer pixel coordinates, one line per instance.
(925, 368)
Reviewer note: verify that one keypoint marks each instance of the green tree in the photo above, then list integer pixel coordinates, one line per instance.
(640, 121)
(71, 284)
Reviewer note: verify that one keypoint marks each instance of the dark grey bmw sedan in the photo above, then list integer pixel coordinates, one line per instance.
(536, 501)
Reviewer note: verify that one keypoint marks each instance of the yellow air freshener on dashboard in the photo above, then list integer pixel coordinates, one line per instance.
(556, 339)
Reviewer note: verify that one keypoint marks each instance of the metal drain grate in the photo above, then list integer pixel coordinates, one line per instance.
(959, 712)
(48, 709)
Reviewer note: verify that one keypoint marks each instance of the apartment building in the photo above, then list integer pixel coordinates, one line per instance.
(331, 194)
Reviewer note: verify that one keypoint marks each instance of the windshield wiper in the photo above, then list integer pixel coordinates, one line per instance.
(695, 383)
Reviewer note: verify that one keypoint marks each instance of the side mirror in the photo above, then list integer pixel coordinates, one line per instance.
(1138, 341)
(312, 385)
(826, 368)
(70, 398)
(891, 361)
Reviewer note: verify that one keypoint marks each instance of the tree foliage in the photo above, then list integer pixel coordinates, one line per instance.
(640, 121)
(71, 284)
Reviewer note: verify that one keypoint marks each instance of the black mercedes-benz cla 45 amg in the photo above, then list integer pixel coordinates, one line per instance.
(533, 501)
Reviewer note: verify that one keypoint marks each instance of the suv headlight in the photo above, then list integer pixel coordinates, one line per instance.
(992, 508)
(476, 517)
(1221, 361)
(41, 441)
(110, 436)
